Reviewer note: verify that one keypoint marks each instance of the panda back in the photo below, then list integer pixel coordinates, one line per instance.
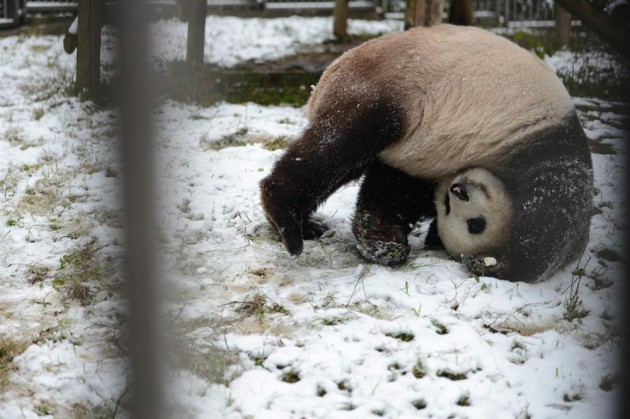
(469, 96)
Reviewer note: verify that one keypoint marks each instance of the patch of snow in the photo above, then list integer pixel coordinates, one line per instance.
(489, 261)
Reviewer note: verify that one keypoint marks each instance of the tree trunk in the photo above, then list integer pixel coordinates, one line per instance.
(563, 27)
(196, 31)
(340, 20)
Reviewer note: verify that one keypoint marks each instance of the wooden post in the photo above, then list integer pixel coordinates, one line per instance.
(11, 10)
(423, 13)
(563, 26)
(340, 20)
(461, 13)
(506, 11)
(89, 47)
(196, 31)
(497, 10)
(415, 13)
(182, 9)
(434, 12)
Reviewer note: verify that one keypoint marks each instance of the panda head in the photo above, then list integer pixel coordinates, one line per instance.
(474, 213)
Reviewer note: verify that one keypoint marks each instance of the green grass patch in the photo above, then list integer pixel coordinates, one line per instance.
(419, 370)
(464, 400)
(440, 329)
(452, 375)
(76, 270)
(207, 85)
(259, 305)
(402, 336)
(9, 349)
(419, 404)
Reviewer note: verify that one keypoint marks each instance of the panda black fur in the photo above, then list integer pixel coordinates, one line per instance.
(412, 111)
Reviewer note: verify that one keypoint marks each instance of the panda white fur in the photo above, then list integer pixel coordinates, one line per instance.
(413, 112)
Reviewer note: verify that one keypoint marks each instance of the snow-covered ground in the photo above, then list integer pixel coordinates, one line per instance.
(256, 333)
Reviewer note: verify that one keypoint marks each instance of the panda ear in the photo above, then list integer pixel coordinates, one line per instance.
(460, 191)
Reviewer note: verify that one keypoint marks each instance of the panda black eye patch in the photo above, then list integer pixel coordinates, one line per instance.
(476, 225)
(447, 203)
(459, 190)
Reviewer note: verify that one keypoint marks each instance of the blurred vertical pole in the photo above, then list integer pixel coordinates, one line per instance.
(196, 31)
(624, 371)
(134, 95)
(89, 47)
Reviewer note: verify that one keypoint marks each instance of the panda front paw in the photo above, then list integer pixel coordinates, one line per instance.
(290, 231)
(292, 239)
(282, 214)
(485, 265)
(380, 243)
(384, 253)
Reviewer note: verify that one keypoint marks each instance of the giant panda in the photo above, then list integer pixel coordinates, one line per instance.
(435, 117)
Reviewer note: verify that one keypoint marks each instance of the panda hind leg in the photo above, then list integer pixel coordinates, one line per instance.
(333, 150)
(390, 202)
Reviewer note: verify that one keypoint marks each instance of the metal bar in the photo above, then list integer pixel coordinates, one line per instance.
(138, 202)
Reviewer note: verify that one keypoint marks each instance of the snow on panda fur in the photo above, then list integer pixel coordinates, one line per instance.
(414, 110)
